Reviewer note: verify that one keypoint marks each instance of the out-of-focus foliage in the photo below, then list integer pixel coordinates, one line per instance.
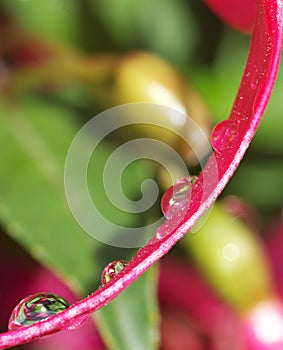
(55, 20)
(165, 27)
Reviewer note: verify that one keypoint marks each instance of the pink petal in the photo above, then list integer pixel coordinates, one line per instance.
(182, 289)
(238, 14)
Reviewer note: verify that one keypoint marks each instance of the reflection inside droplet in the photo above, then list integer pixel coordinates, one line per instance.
(35, 308)
(177, 197)
(112, 270)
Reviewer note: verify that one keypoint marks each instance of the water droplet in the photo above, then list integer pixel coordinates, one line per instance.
(35, 308)
(166, 228)
(174, 204)
(177, 197)
(222, 134)
(254, 84)
(112, 270)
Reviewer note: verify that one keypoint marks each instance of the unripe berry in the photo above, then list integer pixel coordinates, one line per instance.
(144, 77)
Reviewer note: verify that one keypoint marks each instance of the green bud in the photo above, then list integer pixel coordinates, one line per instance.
(232, 259)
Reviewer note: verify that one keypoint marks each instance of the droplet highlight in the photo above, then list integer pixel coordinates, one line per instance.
(35, 308)
(112, 270)
(222, 134)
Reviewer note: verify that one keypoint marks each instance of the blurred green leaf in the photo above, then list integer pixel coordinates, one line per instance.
(219, 82)
(165, 27)
(117, 185)
(33, 208)
(132, 319)
(55, 20)
(268, 138)
(259, 183)
(34, 140)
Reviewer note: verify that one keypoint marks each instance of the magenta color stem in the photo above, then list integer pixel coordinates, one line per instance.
(252, 98)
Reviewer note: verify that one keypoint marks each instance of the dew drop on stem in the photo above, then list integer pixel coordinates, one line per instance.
(177, 196)
(112, 270)
(35, 308)
(38, 307)
(174, 204)
(222, 134)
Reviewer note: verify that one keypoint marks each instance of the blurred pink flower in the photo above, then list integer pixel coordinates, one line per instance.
(236, 13)
(24, 277)
(188, 301)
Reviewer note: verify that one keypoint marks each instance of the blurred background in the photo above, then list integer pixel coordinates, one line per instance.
(61, 63)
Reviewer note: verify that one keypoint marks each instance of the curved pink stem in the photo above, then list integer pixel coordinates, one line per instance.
(252, 98)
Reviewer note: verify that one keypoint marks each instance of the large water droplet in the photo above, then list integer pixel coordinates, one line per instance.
(112, 270)
(222, 134)
(35, 308)
(177, 197)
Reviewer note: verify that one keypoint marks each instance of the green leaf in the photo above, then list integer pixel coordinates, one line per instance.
(165, 27)
(265, 188)
(55, 20)
(33, 208)
(219, 82)
(34, 139)
(269, 138)
(131, 320)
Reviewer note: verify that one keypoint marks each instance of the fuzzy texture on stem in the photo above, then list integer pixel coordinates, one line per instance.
(253, 95)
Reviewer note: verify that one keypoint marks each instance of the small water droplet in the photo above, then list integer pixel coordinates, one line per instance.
(222, 134)
(35, 308)
(112, 270)
(254, 84)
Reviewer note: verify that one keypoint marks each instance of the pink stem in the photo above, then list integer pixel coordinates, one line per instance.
(254, 93)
